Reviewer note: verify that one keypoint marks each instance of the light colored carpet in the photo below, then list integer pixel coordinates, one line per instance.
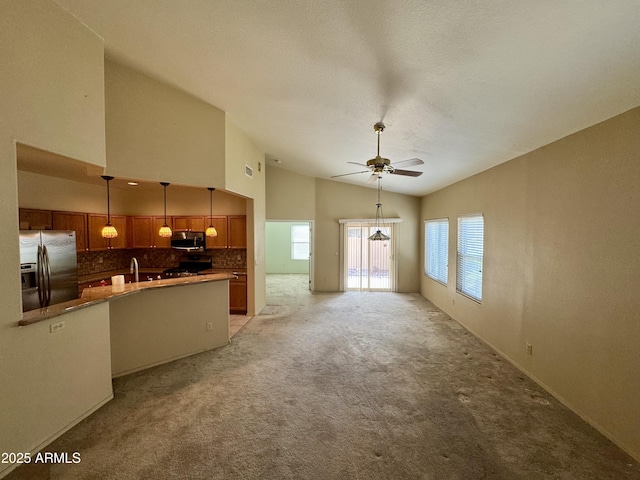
(339, 386)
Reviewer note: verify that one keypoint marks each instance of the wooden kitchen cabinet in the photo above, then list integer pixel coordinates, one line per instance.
(75, 221)
(95, 223)
(161, 242)
(33, 219)
(238, 295)
(120, 222)
(237, 231)
(194, 223)
(144, 232)
(232, 232)
(220, 224)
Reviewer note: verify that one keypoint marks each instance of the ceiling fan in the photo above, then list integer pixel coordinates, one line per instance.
(378, 165)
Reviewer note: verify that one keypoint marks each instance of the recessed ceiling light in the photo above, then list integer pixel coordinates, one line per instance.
(134, 184)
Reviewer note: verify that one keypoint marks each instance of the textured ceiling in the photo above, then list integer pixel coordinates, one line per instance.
(462, 85)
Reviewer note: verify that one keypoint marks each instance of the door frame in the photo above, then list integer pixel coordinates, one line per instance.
(393, 253)
(311, 246)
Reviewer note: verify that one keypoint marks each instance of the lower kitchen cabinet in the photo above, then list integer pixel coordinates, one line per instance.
(238, 295)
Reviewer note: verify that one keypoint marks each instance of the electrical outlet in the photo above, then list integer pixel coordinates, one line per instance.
(529, 349)
(100, 260)
(209, 326)
(55, 327)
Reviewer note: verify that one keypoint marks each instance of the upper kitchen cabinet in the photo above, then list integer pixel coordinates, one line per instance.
(144, 232)
(75, 221)
(220, 241)
(237, 225)
(194, 223)
(232, 232)
(32, 219)
(96, 221)
(151, 123)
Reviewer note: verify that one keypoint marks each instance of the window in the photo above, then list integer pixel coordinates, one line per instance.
(469, 258)
(300, 242)
(436, 253)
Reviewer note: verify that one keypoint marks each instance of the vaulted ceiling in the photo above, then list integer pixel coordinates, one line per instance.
(462, 85)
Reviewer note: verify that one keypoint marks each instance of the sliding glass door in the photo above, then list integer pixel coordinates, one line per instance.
(368, 265)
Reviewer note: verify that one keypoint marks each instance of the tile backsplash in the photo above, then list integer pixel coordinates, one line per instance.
(107, 260)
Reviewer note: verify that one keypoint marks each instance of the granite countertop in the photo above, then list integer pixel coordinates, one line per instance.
(96, 277)
(95, 295)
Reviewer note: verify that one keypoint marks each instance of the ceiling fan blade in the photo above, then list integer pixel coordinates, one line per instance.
(356, 163)
(345, 174)
(412, 162)
(408, 173)
(373, 178)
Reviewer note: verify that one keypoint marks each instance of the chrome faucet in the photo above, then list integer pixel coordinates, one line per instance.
(133, 268)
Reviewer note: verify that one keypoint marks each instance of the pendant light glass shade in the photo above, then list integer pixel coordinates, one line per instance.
(379, 236)
(108, 231)
(165, 230)
(211, 230)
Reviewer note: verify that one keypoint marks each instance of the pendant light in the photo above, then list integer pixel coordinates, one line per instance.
(165, 230)
(108, 231)
(379, 235)
(211, 230)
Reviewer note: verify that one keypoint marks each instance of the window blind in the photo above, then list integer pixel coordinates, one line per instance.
(436, 257)
(469, 257)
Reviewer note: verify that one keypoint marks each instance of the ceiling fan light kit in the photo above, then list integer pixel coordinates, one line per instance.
(379, 165)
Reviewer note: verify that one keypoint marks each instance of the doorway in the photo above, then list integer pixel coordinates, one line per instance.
(368, 265)
(288, 249)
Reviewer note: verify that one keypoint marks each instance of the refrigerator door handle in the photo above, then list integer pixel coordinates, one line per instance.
(40, 277)
(47, 274)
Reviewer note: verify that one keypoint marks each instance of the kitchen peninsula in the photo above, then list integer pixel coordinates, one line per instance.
(154, 322)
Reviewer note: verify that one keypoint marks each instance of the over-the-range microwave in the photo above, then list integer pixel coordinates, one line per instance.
(188, 240)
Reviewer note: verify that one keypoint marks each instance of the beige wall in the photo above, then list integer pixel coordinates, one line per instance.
(240, 151)
(291, 196)
(157, 132)
(51, 193)
(150, 327)
(560, 269)
(51, 97)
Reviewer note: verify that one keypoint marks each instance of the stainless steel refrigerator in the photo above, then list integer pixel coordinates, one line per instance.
(48, 267)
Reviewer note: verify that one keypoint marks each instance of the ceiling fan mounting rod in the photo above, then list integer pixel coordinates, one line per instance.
(378, 128)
